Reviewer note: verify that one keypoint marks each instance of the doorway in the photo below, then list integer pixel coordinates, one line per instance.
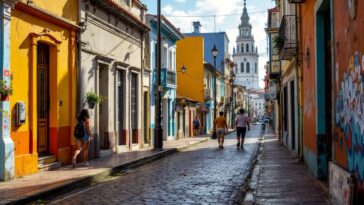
(293, 114)
(146, 118)
(120, 106)
(134, 107)
(323, 88)
(43, 104)
(103, 107)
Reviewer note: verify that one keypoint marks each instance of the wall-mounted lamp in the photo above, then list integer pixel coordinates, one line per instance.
(183, 69)
(307, 56)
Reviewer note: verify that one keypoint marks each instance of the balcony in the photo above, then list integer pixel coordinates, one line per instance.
(208, 95)
(168, 78)
(287, 32)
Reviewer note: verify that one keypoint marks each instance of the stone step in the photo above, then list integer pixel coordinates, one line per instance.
(52, 166)
(48, 159)
(105, 152)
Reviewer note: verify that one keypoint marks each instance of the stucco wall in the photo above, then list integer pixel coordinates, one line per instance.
(190, 54)
(309, 86)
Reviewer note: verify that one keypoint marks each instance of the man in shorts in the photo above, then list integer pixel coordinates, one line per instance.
(221, 126)
(242, 122)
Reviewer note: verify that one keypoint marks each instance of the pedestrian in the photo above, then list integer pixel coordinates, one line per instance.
(196, 126)
(242, 122)
(221, 128)
(83, 136)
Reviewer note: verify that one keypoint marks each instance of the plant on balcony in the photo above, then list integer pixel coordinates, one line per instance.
(93, 99)
(5, 90)
(278, 42)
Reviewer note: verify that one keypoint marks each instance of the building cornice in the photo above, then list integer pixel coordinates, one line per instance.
(43, 14)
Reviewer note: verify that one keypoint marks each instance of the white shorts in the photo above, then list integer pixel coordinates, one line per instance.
(220, 131)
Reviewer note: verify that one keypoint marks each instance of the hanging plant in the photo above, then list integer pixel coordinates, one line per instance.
(278, 42)
(5, 90)
(93, 99)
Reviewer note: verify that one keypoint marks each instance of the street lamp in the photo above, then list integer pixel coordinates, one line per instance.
(214, 54)
(232, 101)
(158, 131)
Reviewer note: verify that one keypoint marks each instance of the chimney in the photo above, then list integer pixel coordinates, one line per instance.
(196, 26)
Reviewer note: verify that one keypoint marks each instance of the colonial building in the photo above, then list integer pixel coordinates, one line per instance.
(190, 84)
(112, 65)
(170, 34)
(43, 105)
(221, 41)
(245, 55)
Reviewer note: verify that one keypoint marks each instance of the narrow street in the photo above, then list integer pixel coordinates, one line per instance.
(202, 174)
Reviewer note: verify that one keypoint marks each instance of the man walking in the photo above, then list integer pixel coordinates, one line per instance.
(242, 122)
(221, 129)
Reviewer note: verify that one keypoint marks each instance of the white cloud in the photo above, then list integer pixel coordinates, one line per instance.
(180, 1)
(204, 10)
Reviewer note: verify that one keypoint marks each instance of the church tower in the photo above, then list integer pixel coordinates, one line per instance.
(245, 55)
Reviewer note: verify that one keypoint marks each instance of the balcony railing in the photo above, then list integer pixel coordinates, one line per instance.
(168, 78)
(287, 31)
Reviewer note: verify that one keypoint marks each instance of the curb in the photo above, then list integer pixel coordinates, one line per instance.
(90, 180)
(252, 183)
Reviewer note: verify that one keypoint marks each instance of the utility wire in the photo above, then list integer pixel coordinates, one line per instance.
(182, 16)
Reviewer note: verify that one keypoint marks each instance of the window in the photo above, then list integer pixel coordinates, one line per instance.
(134, 101)
(155, 56)
(170, 62)
(236, 69)
(242, 67)
(256, 68)
(242, 48)
(252, 48)
(247, 48)
(248, 67)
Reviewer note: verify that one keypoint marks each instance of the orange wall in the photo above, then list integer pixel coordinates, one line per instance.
(308, 75)
(190, 53)
(349, 65)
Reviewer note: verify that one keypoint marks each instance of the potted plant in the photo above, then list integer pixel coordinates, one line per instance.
(278, 42)
(92, 99)
(5, 90)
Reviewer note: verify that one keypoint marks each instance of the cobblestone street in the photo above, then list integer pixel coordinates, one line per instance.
(202, 174)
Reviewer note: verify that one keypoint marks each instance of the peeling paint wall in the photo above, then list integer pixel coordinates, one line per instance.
(349, 93)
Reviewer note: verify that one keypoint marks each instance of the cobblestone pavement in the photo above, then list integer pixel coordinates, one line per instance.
(285, 181)
(202, 174)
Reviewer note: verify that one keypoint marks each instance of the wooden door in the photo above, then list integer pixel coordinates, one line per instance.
(43, 98)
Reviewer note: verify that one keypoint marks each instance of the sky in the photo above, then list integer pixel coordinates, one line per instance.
(227, 18)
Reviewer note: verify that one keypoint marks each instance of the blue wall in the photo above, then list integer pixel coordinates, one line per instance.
(6, 143)
(222, 44)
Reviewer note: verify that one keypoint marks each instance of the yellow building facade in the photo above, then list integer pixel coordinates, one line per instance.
(43, 72)
(190, 53)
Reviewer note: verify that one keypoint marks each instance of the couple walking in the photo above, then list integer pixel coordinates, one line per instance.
(241, 122)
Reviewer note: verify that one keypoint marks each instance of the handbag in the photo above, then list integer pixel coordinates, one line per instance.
(214, 136)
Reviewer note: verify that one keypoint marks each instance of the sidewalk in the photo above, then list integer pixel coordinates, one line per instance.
(49, 183)
(279, 179)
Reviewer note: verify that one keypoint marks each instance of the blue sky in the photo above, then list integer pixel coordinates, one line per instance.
(183, 12)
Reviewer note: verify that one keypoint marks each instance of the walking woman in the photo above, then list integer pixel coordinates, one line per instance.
(83, 136)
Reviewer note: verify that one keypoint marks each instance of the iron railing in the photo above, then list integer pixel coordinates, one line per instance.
(288, 33)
